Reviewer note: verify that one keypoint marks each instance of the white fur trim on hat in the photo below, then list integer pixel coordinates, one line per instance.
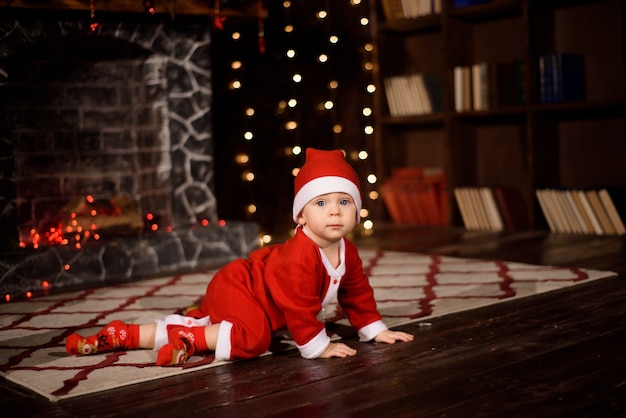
(325, 185)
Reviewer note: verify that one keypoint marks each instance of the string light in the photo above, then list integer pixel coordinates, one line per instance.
(93, 24)
(149, 6)
(331, 21)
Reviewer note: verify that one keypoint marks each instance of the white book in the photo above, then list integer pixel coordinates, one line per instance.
(557, 211)
(480, 97)
(495, 219)
(436, 6)
(458, 89)
(392, 100)
(611, 210)
(547, 213)
(598, 209)
(406, 8)
(577, 220)
(400, 94)
(582, 212)
(422, 93)
(595, 223)
(460, 201)
(481, 211)
(408, 95)
(473, 222)
(572, 224)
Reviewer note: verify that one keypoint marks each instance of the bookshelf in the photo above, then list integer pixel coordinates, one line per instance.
(537, 126)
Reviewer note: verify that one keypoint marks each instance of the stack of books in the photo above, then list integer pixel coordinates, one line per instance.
(414, 94)
(492, 208)
(471, 87)
(458, 4)
(416, 196)
(561, 78)
(595, 212)
(410, 9)
(484, 86)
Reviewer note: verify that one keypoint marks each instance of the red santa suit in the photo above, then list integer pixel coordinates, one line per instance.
(287, 285)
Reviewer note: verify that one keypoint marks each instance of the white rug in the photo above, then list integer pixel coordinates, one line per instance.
(408, 287)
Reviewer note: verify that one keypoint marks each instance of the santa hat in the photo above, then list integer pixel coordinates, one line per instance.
(325, 172)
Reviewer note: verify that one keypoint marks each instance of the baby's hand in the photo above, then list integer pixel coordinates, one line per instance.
(337, 350)
(390, 337)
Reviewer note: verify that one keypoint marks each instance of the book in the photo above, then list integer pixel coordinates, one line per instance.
(512, 206)
(492, 208)
(466, 208)
(582, 212)
(410, 95)
(400, 92)
(547, 211)
(463, 209)
(612, 212)
(570, 77)
(428, 193)
(416, 196)
(561, 77)
(392, 101)
(480, 86)
(569, 211)
(552, 210)
(393, 9)
(418, 89)
(436, 8)
(601, 214)
(458, 89)
(493, 214)
(458, 4)
(467, 88)
(391, 201)
(434, 89)
(593, 219)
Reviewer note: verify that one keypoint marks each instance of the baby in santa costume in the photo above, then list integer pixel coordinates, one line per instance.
(285, 285)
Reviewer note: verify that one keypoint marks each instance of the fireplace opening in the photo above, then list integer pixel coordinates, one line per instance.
(91, 142)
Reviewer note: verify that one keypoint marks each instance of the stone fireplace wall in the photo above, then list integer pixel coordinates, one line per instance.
(99, 129)
(171, 168)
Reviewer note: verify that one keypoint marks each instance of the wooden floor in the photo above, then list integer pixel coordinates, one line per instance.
(557, 354)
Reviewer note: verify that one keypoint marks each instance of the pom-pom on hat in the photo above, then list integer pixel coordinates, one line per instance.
(325, 172)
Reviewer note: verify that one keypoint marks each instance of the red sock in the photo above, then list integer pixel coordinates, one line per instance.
(116, 335)
(183, 343)
(200, 339)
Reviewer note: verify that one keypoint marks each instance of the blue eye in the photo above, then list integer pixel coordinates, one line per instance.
(320, 203)
(344, 202)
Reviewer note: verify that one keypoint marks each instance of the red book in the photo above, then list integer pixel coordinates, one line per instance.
(512, 207)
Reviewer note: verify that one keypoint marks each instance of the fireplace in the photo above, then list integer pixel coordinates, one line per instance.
(106, 164)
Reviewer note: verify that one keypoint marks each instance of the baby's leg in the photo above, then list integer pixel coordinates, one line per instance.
(114, 336)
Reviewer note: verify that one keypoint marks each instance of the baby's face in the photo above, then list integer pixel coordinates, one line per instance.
(329, 216)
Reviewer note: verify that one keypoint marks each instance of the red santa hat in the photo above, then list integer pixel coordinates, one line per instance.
(325, 172)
